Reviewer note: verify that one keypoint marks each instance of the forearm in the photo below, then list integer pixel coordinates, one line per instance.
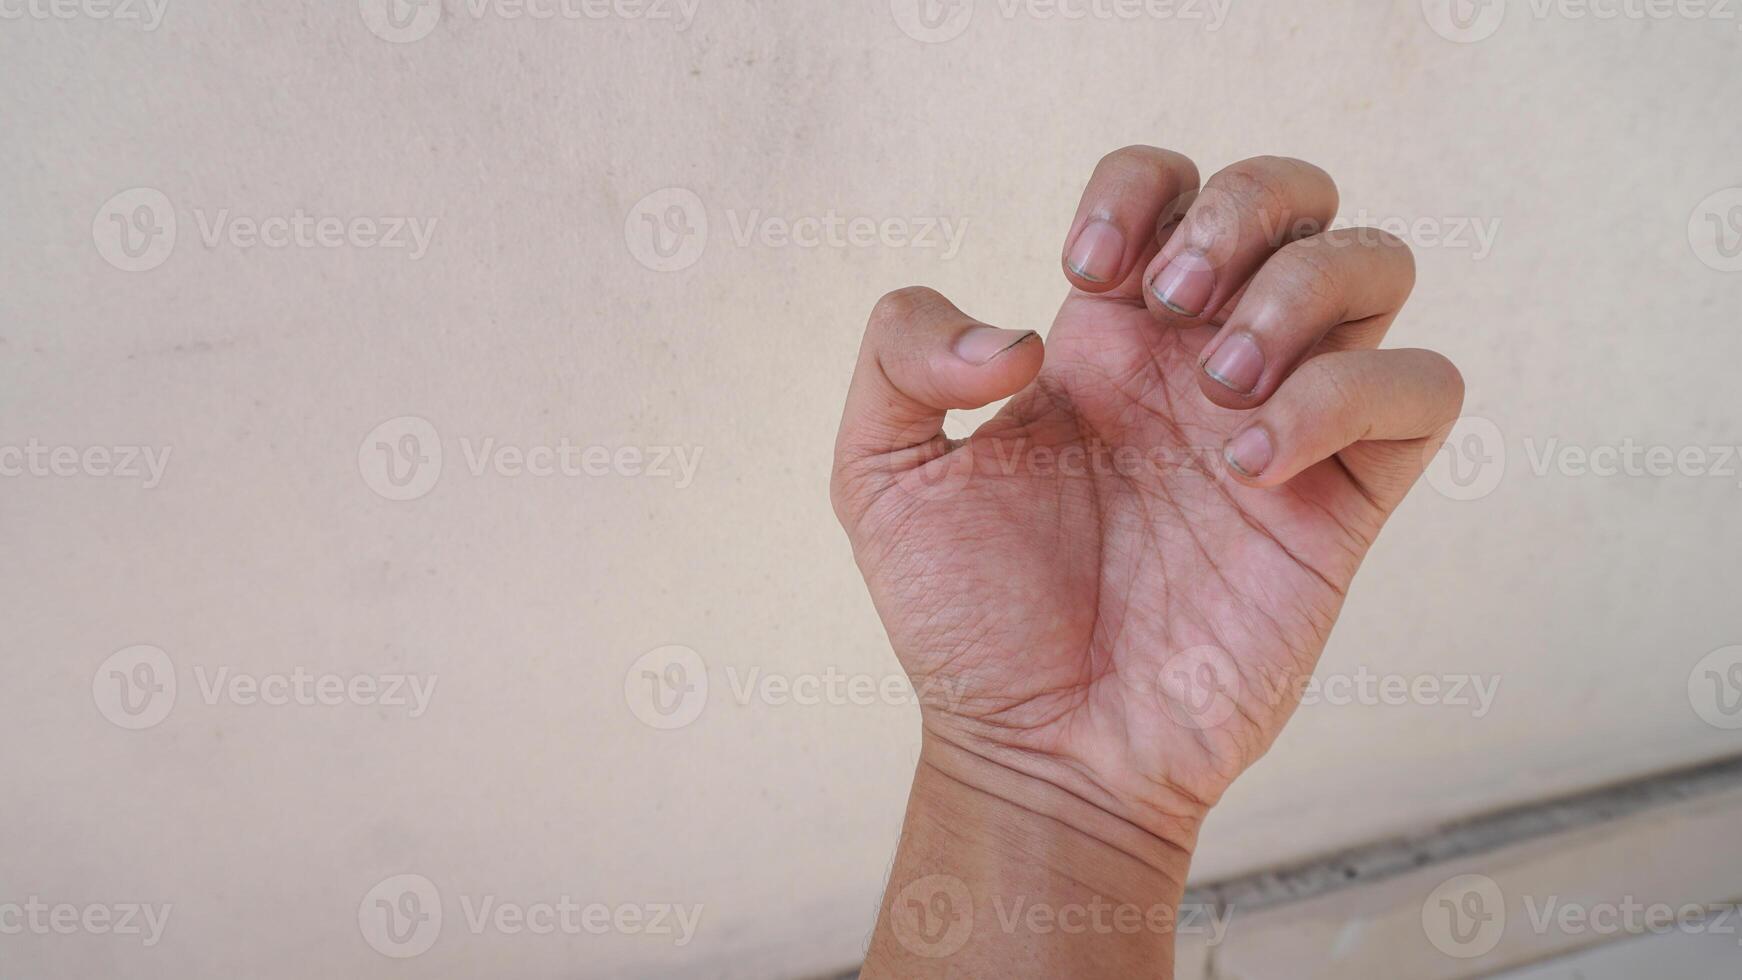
(1001, 874)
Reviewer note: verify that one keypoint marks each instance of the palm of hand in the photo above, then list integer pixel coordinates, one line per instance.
(1082, 584)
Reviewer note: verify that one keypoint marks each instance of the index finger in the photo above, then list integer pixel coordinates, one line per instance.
(1135, 195)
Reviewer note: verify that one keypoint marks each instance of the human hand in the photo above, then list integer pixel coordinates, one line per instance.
(1119, 584)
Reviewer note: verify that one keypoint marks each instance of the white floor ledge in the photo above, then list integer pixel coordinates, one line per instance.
(1646, 873)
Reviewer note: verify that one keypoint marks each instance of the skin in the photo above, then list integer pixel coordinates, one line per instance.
(1107, 622)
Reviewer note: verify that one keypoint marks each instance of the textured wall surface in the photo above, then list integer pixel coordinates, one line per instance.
(493, 355)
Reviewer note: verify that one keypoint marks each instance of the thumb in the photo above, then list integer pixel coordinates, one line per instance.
(921, 357)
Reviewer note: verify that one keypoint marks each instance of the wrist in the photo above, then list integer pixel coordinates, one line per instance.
(1105, 795)
(995, 859)
(1038, 802)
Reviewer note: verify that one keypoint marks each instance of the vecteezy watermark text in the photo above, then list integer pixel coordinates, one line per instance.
(668, 687)
(402, 916)
(1203, 687)
(403, 459)
(668, 230)
(1474, 459)
(1630, 458)
(406, 21)
(137, 229)
(299, 229)
(147, 13)
(1456, 233)
(1101, 917)
(137, 687)
(1470, 21)
(938, 21)
(35, 917)
(1466, 917)
(37, 459)
(934, 916)
(567, 917)
(1364, 688)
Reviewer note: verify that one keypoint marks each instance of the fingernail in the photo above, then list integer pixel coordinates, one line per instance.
(1099, 251)
(1237, 364)
(1184, 286)
(979, 345)
(1249, 452)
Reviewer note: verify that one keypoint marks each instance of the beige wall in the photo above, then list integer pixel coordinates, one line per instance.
(537, 311)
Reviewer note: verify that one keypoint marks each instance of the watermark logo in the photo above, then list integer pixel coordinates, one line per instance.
(1632, 459)
(1101, 917)
(680, 14)
(834, 688)
(1471, 462)
(1715, 688)
(38, 459)
(832, 229)
(1364, 688)
(1364, 229)
(36, 917)
(1473, 459)
(301, 688)
(938, 478)
(401, 21)
(401, 917)
(135, 230)
(1715, 230)
(948, 473)
(667, 230)
(1464, 21)
(300, 229)
(401, 459)
(933, 916)
(567, 917)
(667, 687)
(940, 21)
(1630, 916)
(147, 13)
(1200, 687)
(932, 21)
(1469, 21)
(1465, 917)
(135, 687)
(406, 21)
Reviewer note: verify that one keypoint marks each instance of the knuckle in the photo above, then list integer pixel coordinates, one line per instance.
(1248, 186)
(1312, 173)
(1271, 186)
(894, 309)
(1123, 159)
(1452, 378)
(1383, 244)
(1311, 178)
(840, 494)
(1334, 388)
(1310, 283)
(1405, 254)
(1139, 159)
(1215, 216)
(1438, 395)
(1397, 251)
